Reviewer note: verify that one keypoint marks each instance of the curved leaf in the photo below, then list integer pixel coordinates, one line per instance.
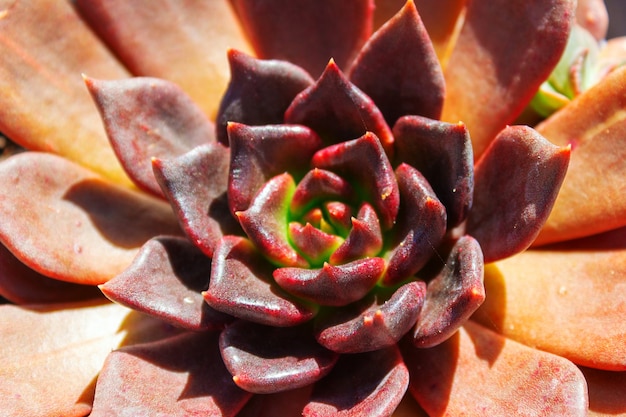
(365, 238)
(606, 393)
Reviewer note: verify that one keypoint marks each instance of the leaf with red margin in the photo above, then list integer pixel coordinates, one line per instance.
(148, 118)
(569, 299)
(317, 186)
(46, 105)
(52, 354)
(259, 91)
(516, 183)
(166, 280)
(241, 285)
(362, 385)
(453, 295)
(478, 372)
(399, 70)
(338, 111)
(177, 377)
(505, 50)
(195, 185)
(441, 152)
(307, 33)
(592, 198)
(375, 322)
(258, 153)
(68, 223)
(606, 393)
(22, 285)
(265, 359)
(312, 243)
(365, 238)
(181, 41)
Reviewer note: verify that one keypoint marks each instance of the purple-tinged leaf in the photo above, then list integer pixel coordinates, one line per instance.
(480, 373)
(399, 70)
(76, 217)
(258, 153)
(339, 216)
(196, 185)
(316, 186)
(148, 118)
(259, 91)
(178, 377)
(453, 295)
(307, 33)
(505, 50)
(241, 285)
(363, 385)
(421, 226)
(378, 182)
(312, 243)
(284, 404)
(165, 280)
(22, 285)
(442, 152)
(338, 111)
(265, 359)
(332, 285)
(365, 238)
(373, 323)
(266, 222)
(517, 181)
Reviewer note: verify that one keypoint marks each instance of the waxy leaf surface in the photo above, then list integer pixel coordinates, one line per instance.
(606, 392)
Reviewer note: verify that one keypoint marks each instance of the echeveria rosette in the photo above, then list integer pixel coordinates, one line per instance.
(210, 185)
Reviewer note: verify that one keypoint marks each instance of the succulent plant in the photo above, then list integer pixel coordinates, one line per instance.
(338, 224)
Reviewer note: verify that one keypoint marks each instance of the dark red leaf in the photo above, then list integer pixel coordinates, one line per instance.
(362, 385)
(265, 359)
(338, 111)
(453, 295)
(165, 280)
(399, 70)
(312, 243)
(332, 285)
(241, 285)
(442, 152)
(195, 185)
(259, 91)
(283, 404)
(364, 240)
(307, 33)
(374, 323)
(180, 376)
(316, 186)
(149, 118)
(517, 181)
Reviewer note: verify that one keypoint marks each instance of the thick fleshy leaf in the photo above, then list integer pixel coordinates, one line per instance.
(365, 238)
(46, 106)
(241, 285)
(505, 50)
(307, 33)
(80, 227)
(338, 111)
(177, 377)
(480, 373)
(442, 152)
(593, 16)
(363, 385)
(148, 118)
(312, 243)
(195, 185)
(594, 125)
(259, 91)
(453, 295)
(266, 222)
(51, 355)
(284, 404)
(318, 185)
(258, 153)
(181, 41)
(374, 323)
(421, 226)
(332, 285)
(575, 293)
(266, 359)
(606, 393)
(166, 280)
(377, 183)
(22, 285)
(399, 70)
(516, 184)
